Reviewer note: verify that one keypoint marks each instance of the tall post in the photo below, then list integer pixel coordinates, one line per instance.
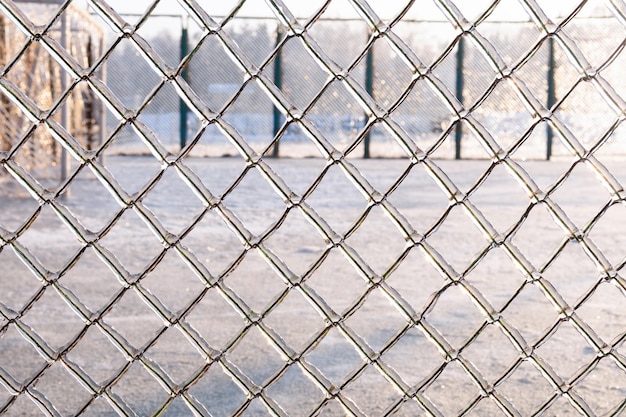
(460, 57)
(90, 120)
(278, 81)
(369, 87)
(184, 50)
(551, 96)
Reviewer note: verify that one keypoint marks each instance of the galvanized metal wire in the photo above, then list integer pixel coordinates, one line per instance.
(415, 318)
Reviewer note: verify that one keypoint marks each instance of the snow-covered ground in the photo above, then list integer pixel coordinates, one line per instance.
(380, 322)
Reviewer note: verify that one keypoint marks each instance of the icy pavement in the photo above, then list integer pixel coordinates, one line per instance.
(241, 337)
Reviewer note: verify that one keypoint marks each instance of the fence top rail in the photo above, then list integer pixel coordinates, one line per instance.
(352, 19)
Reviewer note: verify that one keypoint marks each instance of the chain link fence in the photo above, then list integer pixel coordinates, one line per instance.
(174, 266)
(383, 74)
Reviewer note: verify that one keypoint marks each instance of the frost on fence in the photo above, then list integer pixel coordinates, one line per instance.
(173, 284)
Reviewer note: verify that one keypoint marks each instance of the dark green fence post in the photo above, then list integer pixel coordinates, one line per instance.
(551, 96)
(369, 87)
(184, 49)
(278, 81)
(460, 57)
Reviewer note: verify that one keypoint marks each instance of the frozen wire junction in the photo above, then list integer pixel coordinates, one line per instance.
(143, 273)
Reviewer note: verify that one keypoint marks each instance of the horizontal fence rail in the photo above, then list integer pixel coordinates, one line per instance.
(223, 213)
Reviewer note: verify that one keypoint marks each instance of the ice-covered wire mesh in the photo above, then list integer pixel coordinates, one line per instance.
(167, 284)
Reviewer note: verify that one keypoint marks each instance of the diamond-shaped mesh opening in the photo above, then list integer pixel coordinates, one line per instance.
(538, 251)
(422, 115)
(39, 155)
(299, 86)
(160, 255)
(525, 34)
(217, 391)
(33, 68)
(255, 202)
(298, 259)
(378, 331)
(388, 235)
(603, 387)
(572, 262)
(215, 319)
(53, 320)
(354, 34)
(536, 389)
(413, 357)
(337, 115)
(453, 391)
(176, 356)
(221, 250)
(456, 323)
(323, 200)
(172, 187)
(607, 234)
(19, 284)
(256, 47)
(90, 202)
(133, 320)
(335, 357)
(246, 112)
(295, 393)
(541, 318)
(597, 311)
(605, 38)
(254, 356)
(50, 240)
(457, 239)
(337, 282)
(497, 278)
(144, 250)
(566, 351)
(419, 198)
(585, 95)
(415, 280)
(504, 115)
(502, 217)
(18, 357)
(58, 386)
(139, 390)
(596, 195)
(221, 77)
(98, 358)
(492, 353)
(298, 335)
(173, 282)
(255, 282)
(380, 395)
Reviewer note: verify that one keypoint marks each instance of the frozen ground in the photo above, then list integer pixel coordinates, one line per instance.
(407, 349)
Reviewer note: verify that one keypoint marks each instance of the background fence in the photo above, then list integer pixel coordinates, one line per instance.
(460, 66)
(151, 278)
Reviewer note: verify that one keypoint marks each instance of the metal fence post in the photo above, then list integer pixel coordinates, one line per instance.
(278, 81)
(551, 96)
(184, 49)
(460, 57)
(369, 87)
